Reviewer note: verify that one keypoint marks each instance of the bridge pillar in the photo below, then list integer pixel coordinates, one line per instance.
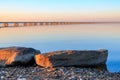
(30, 24)
(51, 23)
(5, 24)
(35, 24)
(62, 23)
(41, 23)
(44, 23)
(16, 24)
(54, 23)
(47, 23)
(25, 24)
(58, 23)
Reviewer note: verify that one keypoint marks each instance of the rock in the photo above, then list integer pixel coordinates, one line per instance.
(43, 61)
(18, 55)
(78, 58)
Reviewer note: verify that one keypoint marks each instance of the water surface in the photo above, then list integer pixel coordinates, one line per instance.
(67, 37)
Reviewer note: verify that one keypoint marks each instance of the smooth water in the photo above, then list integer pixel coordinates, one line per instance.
(67, 37)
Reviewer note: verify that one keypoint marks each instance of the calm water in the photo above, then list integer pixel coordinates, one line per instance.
(62, 37)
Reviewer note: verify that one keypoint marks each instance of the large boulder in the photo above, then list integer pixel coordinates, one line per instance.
(77, 58)
(18, 55)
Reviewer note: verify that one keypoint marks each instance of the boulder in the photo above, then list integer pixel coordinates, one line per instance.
(78, 58)
(43, 61)
(18, 55)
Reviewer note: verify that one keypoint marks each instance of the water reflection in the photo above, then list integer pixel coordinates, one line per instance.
(62, 37)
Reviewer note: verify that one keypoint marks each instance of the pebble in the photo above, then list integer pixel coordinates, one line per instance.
(21, 78)
(2, 77)
(58, 73)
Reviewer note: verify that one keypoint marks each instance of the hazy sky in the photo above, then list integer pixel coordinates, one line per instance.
(60, 10)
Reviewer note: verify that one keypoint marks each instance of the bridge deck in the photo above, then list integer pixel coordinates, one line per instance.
(19, 24)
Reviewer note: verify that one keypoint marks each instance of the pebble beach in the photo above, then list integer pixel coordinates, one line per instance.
(36, 72)
(57, 73)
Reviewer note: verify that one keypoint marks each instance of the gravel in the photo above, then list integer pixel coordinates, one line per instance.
(57, 73)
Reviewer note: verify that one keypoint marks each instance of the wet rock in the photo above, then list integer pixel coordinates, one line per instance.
(18, 55)
(77, 58)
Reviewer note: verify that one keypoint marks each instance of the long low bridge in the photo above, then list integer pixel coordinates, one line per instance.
(17, 24)
(20, 24)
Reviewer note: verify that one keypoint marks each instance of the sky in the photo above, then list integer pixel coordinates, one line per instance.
(60, 10)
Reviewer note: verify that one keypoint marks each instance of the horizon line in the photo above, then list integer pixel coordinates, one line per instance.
(53, 21)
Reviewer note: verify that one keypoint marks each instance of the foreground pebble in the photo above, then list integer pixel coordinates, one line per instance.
(58, 73)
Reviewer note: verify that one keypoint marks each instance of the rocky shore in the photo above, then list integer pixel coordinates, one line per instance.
(21, 63)
(57, 73)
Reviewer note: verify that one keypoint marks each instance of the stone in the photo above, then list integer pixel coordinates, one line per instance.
(83, 58)
(14, 56)
(43, 61)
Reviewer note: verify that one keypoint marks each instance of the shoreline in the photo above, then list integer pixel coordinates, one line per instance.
(30, 64)
(57, 73)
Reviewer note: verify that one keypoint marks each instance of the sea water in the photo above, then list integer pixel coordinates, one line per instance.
(48, 38)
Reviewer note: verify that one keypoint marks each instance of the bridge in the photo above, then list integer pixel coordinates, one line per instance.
(20, 24)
